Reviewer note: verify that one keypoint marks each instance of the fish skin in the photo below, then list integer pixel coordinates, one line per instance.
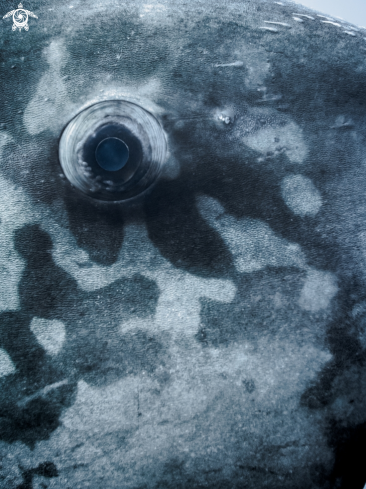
(211, 333)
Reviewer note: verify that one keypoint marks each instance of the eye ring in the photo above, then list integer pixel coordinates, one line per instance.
(135, 150)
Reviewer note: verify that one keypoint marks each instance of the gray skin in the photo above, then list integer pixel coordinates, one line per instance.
(212, 333)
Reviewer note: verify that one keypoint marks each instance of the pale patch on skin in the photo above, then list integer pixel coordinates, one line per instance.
(257, 66)
(267, 131)
(142, 94)
(56, 54)
(50, 334)
(255, 246)
(11, 268)
(154, 13)
(253, 61)
(157, 425)
(45, 109)
(6, 365)
(40, 482)
(318, 291)
(301, 195)
(178, 309)
(5, 138)
(171, 168)
(12, 456)
(252, 242)
(51, 108)
(267, 139)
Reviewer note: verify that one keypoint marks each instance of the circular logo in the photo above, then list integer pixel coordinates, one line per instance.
(20, 18)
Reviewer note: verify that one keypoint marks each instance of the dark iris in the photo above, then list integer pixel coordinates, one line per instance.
(112, 154)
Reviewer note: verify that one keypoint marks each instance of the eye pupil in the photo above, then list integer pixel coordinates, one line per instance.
(113, 150)
(112, 154)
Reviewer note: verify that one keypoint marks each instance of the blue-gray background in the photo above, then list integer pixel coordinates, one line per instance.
(352, 10)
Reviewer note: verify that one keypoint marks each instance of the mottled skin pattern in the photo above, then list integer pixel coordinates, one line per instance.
(213, 333)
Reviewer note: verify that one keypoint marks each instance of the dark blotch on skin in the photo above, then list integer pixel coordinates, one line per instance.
(249, 385)
(47, 469)
(343, 344)
(37, 418)
(106, 363)
(95, 349)
(98, 228)
(349, 444)
(181, 234)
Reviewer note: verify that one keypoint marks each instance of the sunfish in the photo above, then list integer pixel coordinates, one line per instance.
(182, 246)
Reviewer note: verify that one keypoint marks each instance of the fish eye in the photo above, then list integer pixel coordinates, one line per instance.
(112, 154)
(113, 150)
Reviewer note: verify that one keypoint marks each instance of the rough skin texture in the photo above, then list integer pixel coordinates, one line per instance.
(212, 334)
